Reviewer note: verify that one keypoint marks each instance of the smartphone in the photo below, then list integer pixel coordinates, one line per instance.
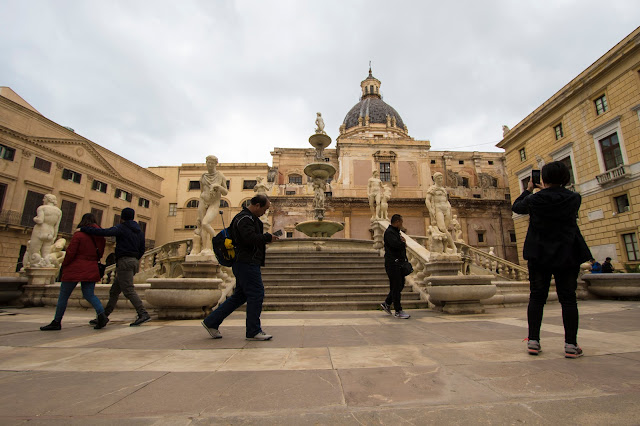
(278, 233)
(535, 177)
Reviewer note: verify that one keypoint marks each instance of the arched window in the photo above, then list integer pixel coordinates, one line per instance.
(193, 204)
(224, 203)
(297, 179)
(246, 203)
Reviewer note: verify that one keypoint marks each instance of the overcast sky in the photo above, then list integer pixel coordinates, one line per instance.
(169, 82)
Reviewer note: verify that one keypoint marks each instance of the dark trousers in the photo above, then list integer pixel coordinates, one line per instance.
(396, 284)
(66, 288)
(249, 289)
(566, 283)
(126, 268)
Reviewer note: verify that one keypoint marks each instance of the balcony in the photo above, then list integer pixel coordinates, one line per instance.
(612, 175)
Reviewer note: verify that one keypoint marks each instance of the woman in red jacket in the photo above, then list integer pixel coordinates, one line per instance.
(81, 264)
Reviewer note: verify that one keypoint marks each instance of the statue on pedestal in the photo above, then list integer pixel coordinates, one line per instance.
(44, 234)
(319, 186)
(440, 210)
(384, 202)
(261, 188)
(320, 124)
(213, 185)
(374, 191)
(457, 229)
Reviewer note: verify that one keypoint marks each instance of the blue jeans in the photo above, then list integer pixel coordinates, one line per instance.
(249, 289)
(66, 288)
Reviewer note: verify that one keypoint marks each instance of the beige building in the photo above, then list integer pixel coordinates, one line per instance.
(38, 156)
(593, 125)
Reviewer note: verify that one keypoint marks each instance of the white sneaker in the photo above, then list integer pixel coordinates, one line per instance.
(402, 315)
(260, 336)
(213, 332)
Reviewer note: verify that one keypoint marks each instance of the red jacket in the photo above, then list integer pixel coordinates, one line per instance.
(81, 262)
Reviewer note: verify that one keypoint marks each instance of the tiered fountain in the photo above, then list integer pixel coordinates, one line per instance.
(319, 171)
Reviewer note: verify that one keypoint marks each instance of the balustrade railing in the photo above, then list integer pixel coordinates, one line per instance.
(495, 264)
(612, 175)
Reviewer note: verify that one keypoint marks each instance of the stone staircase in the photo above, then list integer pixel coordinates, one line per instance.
(325, 281)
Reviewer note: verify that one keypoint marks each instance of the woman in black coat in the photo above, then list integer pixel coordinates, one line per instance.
(553, 246)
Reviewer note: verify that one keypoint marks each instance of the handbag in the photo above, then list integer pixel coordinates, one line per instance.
(101, 266)
(405, 267)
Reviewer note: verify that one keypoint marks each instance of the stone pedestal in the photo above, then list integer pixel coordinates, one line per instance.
(183, 298)
(200, 266)
(11, 289)
(443, 267)
(460, 294)
(41, 276)
(614, 286)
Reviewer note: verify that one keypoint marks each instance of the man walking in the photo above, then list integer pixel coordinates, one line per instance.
(250, 245)
(129, 250)
(395, 253)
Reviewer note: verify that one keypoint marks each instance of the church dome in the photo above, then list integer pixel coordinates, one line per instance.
(372, 105)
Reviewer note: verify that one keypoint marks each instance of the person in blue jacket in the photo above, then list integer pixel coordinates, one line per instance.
(596, 267)
(129, 249)
(553, 246)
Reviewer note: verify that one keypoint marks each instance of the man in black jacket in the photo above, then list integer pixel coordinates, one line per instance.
(553, 246)
(129, 250)
(250, 246)
(395, 253)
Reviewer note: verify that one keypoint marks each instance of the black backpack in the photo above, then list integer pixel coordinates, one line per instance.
(223, 246)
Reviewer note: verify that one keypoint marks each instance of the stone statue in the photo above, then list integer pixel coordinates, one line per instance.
(44, 234)
(540, 162)
(384, 202)
(213, 185)
(374, 191)
(440, 209)
(320, 124)
(260, 187)
(319, 187)
(505, 130)
(57, 254)
(456, 228)
(436, 239)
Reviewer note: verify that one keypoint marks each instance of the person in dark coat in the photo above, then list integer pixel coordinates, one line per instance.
(607, 267)
(553, 246)
(80, 264)
(395, 254)
(129, 250)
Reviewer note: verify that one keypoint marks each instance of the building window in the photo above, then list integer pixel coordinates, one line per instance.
(512, 236)
(622, 203)
(3, 191)
(19, 265)
(143, 202)
(246, 203)
(525, 182)
(507, 197)
(480, 237)
(297, 179)
(385, 172)
(327, 159)
(460, 161)
(567, 162)
(194, 184)
(631, 245)
(523, 154)
(41, 164)
(173, 209)
(143, 226)
(228, 183)
(465, 182)
(224, 203)
(249, 184)
(68, 214)
(98, 214)
(71, 175)
(193, 204)
(477, 196)
(433, 161)
(490, 162)
(290, 193)
(328, 194)
(30, 210)
(7, 153)
(611, 152)
(190, 227)
(116, 219)
(123, 195)
(289, 234)
(99, 186)
(601, 105)
(558, 130)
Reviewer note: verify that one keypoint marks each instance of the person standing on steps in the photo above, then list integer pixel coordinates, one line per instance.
(81, 264)
(553, 246)
(129, 250)
(395, 253)
(250, 244)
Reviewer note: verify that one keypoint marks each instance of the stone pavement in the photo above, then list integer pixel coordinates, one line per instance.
(353, 368)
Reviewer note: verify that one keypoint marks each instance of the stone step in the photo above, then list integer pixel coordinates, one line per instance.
(310, 257)
(310, 289)
(336, 297)
(309, 281)
(314, 264)
(337, 306)
(306, 275)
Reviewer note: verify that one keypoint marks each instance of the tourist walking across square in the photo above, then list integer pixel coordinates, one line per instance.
(129, 250)
(553, 246)
(250, 246)
(80, 264)
(395, 254)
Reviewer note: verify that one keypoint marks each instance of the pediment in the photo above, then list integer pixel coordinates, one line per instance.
(78, 151)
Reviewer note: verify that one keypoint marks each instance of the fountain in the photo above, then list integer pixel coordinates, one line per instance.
(319, 171)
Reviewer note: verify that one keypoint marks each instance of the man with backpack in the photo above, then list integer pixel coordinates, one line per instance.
(250, 247)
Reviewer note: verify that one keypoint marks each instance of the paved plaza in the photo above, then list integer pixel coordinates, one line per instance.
(352, 368)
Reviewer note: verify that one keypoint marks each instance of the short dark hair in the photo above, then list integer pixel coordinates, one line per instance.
(259, 200)
(87, 219)
(608, 258)
(395, 218)
(556, 173)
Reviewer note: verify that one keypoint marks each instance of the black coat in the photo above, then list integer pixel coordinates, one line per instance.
(553, 238)
(129, 238)
(248, 238)
(394, 247)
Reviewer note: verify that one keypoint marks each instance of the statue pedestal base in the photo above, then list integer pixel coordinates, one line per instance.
(183, 298)
(200, 266)
(41, 276)
(460, 294)
(443, 267)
